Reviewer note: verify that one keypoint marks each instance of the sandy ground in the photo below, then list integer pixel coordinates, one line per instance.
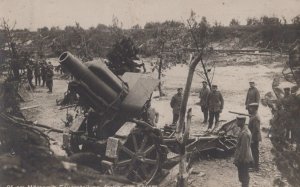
(233, 84)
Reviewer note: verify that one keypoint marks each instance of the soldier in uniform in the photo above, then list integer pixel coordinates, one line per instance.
(43, 72)
(252, 95)
(215, 105)
(29, 75)
(243, 155)
(37, 74)
(203, 100)
(175, 105)
(49, 78)
(254, 127)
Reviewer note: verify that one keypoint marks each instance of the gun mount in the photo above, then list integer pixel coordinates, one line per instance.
(114, 125)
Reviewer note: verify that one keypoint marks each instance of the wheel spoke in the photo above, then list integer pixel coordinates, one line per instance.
(124, 162)
(134, 143)
(137, 175)
(145, 173)
(149, 161)
(129, 171)
(126, 150)
(143, 143)
(149, 150)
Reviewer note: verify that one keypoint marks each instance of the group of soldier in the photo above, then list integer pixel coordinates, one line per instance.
(212, 104)
(41, 71)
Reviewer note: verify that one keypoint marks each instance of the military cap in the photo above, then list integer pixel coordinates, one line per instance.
(179, 89)
(204, 82)
(251, 81)
(287, 89)
(215, 86)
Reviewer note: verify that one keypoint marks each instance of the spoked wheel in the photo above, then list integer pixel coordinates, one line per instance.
(139, 158)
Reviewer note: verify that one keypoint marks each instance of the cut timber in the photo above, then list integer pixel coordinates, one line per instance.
(29, 107)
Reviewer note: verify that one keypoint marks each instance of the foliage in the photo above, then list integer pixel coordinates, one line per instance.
(296, 20)
(234, 22)
(122, 55)
(253, 21)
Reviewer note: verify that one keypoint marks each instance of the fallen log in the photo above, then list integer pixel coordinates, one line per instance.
(23, 122)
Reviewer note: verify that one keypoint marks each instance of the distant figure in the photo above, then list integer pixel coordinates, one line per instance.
(243, 155)
(37, 74)
(43, 72)
(49, 78)
(252, 95)
(29, 76)
(175, 104)
(151, 115)
(215, 104)
(203, 95)
(254, 127)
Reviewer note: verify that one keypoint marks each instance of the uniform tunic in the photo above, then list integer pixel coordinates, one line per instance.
(252, 96)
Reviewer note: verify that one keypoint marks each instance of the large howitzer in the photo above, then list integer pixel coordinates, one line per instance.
(115, 123)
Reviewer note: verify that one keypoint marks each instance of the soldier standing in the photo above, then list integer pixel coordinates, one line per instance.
(29, 75)
(175, 104)
(243, 156)
(254, 127)
(252, 95)
(43, 73)
(49, 78)
(37, 74)
(215, 105)
(204, 92)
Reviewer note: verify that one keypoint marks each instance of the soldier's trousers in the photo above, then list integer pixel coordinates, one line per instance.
(255, 154)
(175, 118)
(204, 110)
(44, 80)
(30, 82)
(243, 172)
(37, 80)
(49, 84)
(213, 116)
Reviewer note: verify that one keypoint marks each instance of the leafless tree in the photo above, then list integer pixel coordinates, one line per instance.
(11, 44)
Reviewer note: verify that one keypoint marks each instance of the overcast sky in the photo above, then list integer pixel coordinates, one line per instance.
(32, 14)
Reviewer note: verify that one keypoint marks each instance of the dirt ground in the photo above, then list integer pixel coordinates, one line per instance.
(232, 80)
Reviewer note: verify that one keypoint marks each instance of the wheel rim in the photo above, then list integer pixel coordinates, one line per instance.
(139, 158)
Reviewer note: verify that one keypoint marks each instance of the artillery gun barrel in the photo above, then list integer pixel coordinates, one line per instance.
(96, 84)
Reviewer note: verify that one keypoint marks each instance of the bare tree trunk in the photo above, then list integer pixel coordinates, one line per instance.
(182, 130)
(205, 73)
(160, 70)
(159, 76)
